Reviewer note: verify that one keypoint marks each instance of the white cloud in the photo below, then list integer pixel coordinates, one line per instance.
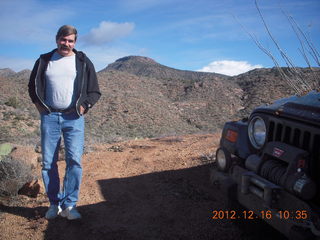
(108, 32)
(228, 67)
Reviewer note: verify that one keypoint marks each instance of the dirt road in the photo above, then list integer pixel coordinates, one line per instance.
(139, 189)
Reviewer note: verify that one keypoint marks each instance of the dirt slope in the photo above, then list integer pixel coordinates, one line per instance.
(139, 189)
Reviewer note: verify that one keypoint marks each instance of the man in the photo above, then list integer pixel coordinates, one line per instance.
(63, 86)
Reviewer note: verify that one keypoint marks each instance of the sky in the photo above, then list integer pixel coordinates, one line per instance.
(202, 35)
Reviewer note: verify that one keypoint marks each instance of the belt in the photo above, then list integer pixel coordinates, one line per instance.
(67, 110)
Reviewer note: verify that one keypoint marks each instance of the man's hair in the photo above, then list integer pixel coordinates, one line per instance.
(66, 30)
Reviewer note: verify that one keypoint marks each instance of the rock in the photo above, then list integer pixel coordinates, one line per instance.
(26, 154)
(17, 171)
(37, 149)
(14, 173)
(115, 148)
(62, 153)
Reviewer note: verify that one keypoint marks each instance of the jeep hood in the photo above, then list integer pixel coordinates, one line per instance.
(304, 108)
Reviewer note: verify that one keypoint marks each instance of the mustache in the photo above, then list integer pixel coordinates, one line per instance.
(65, 47)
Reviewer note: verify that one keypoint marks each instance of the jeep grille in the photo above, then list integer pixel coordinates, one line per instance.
(299, 135)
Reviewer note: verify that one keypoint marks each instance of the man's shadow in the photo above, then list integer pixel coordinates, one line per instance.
(28, 213)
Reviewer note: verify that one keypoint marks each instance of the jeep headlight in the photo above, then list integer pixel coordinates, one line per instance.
(257, 132)
(223, 158)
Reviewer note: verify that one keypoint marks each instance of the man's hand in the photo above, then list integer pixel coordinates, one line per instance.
(82, 109)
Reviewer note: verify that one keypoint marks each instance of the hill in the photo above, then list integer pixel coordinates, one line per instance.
(140, 105)
(265, 85)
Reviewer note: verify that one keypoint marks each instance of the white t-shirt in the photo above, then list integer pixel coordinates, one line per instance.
(60, 77)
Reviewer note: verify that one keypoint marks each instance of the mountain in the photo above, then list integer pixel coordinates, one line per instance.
(6, 72)
(147, 67)
(142, 98)
(154, 100)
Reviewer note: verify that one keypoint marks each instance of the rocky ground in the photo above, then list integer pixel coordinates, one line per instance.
(140, 189)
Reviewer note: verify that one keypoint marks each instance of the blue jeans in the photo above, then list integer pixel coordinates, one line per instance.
(53, 126)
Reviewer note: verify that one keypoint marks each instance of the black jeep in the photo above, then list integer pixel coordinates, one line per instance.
(269, 163)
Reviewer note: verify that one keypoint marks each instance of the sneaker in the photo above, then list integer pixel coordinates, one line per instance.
(71, 213)
(53, 212)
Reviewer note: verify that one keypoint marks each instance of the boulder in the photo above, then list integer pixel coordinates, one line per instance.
(13, 175)
(18, 172)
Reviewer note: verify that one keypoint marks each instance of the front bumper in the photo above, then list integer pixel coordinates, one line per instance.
(282, 210)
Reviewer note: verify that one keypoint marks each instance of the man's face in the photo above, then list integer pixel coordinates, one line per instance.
(66, 44)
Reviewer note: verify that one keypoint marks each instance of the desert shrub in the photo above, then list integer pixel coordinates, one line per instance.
(13, 175)
(7, 115)
(12, 102)
(5, 134)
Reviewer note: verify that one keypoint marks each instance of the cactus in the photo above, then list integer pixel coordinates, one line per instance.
(5, 149)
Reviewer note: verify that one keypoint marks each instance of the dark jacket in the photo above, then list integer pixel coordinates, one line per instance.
(86, 83)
